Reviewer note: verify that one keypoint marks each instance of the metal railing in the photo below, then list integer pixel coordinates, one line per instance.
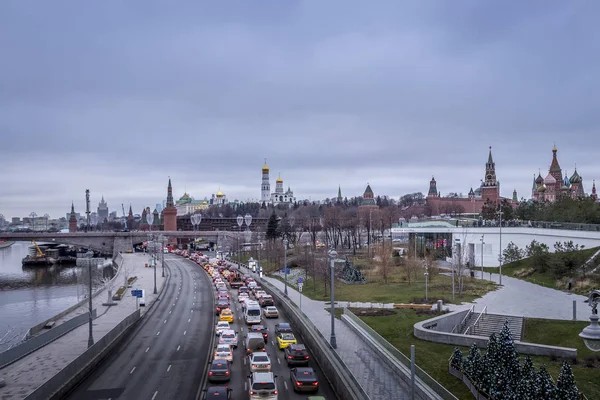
(469, 330)
(424, 376)
(459, 327)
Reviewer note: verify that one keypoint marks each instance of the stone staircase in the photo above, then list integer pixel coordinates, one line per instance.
(493, 323)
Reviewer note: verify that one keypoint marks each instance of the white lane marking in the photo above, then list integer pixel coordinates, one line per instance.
(158, 333)
(285, 384)
(168, 369)
(178, 347)
(184, 332)
(170, 311)
(191, 310)
(147, 349)
(154, 396)
(176, 298)
(132, 369)
(279, 361)
(173, 304)
(244, 360)
(273, 343)
(193, 304)
(189, 320)
(165, 321)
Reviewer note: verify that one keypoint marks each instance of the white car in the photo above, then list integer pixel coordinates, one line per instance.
(229, 337)
(221, 285)
(221, 326)
(223, 352)
(259, 293)
(242, 297)
(270, 312)
(260, 362)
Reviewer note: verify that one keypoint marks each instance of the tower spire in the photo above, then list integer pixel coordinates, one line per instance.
(339, 193)
(490, 159)
(170, 194)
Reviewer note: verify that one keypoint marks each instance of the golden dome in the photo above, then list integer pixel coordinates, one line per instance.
(265, 167)
(219, 193)
(279, 180)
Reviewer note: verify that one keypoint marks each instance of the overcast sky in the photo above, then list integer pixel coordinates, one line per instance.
(116, 97)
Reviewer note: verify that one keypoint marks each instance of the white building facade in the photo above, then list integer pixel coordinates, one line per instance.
(495, 239)
(279, 196)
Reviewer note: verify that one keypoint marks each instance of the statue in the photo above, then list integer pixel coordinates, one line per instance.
(351, 274)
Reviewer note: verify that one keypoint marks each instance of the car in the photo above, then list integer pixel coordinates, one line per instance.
(221, 326)
(221, 305)
(284, 339)
(304, 380)
(243, 297)
(260, 329)
(259, 293)
(266, 300)
(263, 386)
(223, 352)
(219, 371)
(260, 362)
(243, 289)
(226, 315)
(221, 285)
(283, 327)
(223, 294)
(217, 392)
(271, 312)
(296, 354)
(229, 337)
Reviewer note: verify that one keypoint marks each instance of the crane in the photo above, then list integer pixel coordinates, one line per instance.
(37, 248)
(124, 218)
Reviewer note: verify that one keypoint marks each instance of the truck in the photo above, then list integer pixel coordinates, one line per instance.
(235, 280)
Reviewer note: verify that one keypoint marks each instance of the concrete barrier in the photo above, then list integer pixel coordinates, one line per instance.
(438, 330)
(61, 383)
(341, 379)
(29, 346)
(426, 388)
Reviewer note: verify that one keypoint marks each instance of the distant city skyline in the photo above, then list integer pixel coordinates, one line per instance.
(337, 93)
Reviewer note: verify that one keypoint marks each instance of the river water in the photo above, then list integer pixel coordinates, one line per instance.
(30, 295)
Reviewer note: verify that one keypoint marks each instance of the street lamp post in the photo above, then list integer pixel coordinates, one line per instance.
(482, 243)
(591, 333)
(332, 257)
(285, 271)
(500, 255)
(90, 329)
(32, 215)
(426, 282)
(162, 250)
(240, 222)
(152, 246)
(248, 221)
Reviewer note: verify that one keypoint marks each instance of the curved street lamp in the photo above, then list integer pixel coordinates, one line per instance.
(46, 217)
(248, 220)
(240, 222)
(332, 257)
(32, 215)
(591, 333)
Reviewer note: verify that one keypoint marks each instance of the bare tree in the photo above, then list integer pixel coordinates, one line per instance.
(385, 263)
(410, 266)
(461, 260)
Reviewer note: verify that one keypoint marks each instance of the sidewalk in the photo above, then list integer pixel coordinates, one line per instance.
(524, 299)
(378, 381)
(25, 375)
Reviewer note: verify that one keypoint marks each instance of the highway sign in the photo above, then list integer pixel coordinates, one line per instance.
(300, 280)
(300, 287)
(136, 293)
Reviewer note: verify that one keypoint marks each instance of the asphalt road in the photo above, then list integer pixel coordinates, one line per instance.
(168, 352)
(241, 368)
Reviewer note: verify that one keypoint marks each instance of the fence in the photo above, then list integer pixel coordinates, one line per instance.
(29, 346)
(422, 375)
(57, 386)
(344, 383)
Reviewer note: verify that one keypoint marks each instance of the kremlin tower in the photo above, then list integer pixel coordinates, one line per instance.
(170, 213)
(265, 188)
(72, 220)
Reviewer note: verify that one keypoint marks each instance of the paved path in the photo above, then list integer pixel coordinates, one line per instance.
(25, 375)
(521, 298)
(378, 381)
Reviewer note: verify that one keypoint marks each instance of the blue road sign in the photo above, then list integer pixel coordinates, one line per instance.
(300, 280)
(136, 293)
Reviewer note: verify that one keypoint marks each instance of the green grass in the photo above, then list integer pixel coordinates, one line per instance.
(547, 278)
(439, 287)
(433, 357)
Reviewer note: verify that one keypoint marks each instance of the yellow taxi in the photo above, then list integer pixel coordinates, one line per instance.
(284, 339)
(227, 315)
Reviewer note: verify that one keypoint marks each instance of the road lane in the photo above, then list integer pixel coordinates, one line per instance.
(241, 365)
(167, 352)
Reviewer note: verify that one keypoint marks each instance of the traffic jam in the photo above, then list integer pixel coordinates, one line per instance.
(257, 354)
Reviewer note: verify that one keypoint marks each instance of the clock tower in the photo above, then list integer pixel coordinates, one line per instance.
(490, 189)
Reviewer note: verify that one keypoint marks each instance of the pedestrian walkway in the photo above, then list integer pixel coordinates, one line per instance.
(376, 378)
(525, 299)
(27, 374)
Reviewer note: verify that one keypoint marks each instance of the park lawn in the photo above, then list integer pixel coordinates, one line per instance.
(433, 357)
(547, 278)
(439, 288)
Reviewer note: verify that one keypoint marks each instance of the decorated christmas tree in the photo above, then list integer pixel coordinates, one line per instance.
(457, 359)
(544, 384)
(565, 384)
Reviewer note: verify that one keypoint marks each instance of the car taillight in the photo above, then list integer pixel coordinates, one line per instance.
(210, 373)
(226, 372)
(306, 357)
(275, 392)
(315, 383)
(252, 392)
(298, 383)
(290, 357)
